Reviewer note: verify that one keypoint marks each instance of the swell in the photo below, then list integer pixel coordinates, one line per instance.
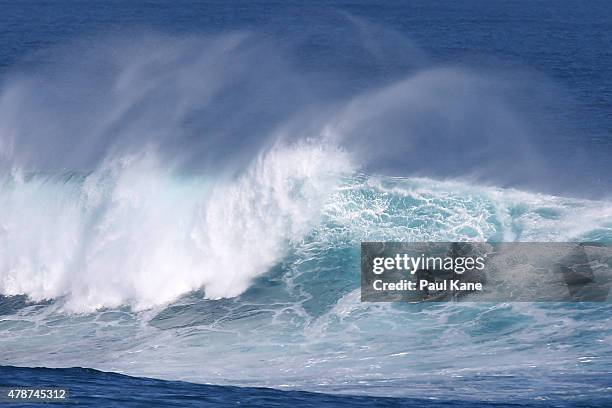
(94, 388)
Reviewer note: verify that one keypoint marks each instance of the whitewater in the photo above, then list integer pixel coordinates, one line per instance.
(168, 217)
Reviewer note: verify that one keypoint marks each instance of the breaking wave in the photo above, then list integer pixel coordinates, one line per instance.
(192, 208)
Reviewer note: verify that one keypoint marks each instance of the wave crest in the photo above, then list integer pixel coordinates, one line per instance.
(133, 232)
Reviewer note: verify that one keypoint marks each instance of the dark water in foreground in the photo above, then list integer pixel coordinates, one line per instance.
(94, 388)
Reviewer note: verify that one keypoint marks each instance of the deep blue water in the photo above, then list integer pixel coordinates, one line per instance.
(91, 388)
(184, 186)
(566, 40)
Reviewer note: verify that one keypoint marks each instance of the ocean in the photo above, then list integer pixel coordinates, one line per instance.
(184, 188)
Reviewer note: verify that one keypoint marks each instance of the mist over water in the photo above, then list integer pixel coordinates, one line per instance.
(211, 104)
(185, 206)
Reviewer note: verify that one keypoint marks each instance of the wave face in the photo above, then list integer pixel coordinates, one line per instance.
(167, 215)
(133, 233)
(300, 324)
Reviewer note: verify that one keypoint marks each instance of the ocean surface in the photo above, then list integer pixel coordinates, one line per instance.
(184, 187)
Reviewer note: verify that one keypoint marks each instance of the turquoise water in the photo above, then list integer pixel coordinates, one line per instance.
(300, 324)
